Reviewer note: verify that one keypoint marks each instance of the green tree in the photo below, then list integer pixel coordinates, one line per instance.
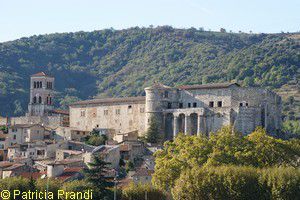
(96, 176)
(129, 166)
(141, 191)
(77, 186)
(153, 132)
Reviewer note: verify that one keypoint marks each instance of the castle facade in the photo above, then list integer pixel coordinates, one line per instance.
(189, 109)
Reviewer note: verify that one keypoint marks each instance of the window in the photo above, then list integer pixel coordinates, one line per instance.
(34, 99)
(211, 104)
(40, 99)
(247, 104)
(194, 105)
(82, 113)
(241, 104)
(166, 94)
(169, 105)
(219, 103)
(15, 137)
(34, 84)
(142, 110)
(118, 111)
(94, 114)
(189, 105)
(180, 105)
(129, 109)
(105, 112)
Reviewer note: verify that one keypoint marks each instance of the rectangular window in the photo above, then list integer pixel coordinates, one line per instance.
(105, 112)
(82, 113)
(180, 105)
(166, 94)
(15, 137)
(241, 104)
(247, 104)
(129, 109)
(142, 110)
(194, 104)
(189, 105)
(211, 104)
(118, 111)
(169, 105)
(219, 103)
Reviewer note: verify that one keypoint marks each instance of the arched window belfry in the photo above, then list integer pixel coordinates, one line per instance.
(34, 99)
(41, 84)
(50, 100)
(34, 84)
(40, 99)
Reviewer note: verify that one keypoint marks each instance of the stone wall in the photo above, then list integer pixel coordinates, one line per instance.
(123, 117)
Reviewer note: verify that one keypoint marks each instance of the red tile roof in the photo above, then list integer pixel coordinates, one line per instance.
(207, 86)
(69, 172)
(39, 74)
(111, 100)
(34, 175)
(63, 112)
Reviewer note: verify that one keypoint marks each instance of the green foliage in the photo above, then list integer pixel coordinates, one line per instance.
(152, 134)
(222, 148)
(129, 166)
(77, 186)
(95, 175)
(96, 139)
(123, 63)
(15, 183)
(53, 185)
(4, 129)
(237, 182)
(292, 127)
(141, 191)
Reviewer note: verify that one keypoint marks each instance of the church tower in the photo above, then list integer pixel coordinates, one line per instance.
(41, 94)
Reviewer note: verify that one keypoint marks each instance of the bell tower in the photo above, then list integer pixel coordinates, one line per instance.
(41, 94)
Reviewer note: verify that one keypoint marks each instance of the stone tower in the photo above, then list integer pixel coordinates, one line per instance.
(158, 98)
(41, 94)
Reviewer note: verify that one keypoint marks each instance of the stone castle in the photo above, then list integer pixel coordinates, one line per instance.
(189, 109)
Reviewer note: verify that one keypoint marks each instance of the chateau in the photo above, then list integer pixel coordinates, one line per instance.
(189, 109)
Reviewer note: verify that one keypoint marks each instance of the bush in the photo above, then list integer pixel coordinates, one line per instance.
(234, 182)
(281, 183)
(15, 183)
(139, 191)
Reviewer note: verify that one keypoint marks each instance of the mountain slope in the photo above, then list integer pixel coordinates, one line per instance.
(122, 63)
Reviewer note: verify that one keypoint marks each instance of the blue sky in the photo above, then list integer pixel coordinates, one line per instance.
(20, 18)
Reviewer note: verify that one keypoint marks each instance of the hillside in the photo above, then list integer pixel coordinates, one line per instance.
(122, 63)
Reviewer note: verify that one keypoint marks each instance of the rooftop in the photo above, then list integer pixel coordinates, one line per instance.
(207, 86)
(111, 100)
(39, 74)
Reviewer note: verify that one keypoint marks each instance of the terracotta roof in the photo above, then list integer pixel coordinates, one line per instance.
(34, 175)
(143, 172)
(69, 172)
(13, 167)
(111, 100)
(24, 125)
(4, 164)
(65, 162)
(207, 86)
(39, 74)
(63, 112)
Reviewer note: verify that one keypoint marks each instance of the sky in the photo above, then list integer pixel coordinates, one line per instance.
(20, 18)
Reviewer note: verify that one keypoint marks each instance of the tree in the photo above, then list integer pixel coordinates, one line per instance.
(129, 166)
(140, 191)
(96, 139)
(152, 134)
(77, 186)
(225, 147)
(96, 175)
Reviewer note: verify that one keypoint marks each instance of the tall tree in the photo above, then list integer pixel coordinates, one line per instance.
(152, 135)
(96, 174)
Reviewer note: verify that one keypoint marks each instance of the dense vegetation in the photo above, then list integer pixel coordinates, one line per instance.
(122, 63)
(228, 165)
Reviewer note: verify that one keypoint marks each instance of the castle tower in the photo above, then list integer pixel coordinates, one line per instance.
(41, 94)
(158, 98)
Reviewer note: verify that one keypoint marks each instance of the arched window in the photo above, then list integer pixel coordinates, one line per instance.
(41, 84)
(47, 100)
(34, 84)
(40, 99)
(50, 100)
(34, 99)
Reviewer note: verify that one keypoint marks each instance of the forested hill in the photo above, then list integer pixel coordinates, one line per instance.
(123, 62)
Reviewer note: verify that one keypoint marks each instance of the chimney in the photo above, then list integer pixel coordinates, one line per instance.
(54, 170)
